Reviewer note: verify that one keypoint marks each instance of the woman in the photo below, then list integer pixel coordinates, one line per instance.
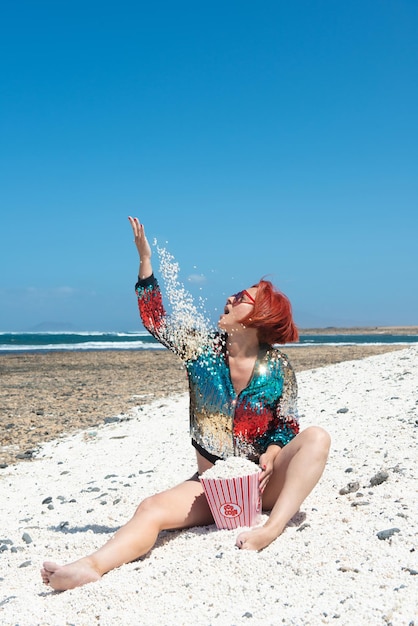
(242, 402)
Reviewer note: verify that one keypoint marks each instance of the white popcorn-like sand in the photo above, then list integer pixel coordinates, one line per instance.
(231, 467)
(348, 558)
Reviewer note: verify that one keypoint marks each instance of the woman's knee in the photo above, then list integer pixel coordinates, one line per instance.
(152, 507)
(317, 437)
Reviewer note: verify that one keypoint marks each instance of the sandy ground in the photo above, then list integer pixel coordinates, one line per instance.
(330, 566)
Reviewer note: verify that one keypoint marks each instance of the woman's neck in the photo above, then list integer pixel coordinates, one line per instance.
(242, 344)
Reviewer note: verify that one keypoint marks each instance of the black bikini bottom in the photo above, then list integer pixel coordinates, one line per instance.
(212, 458)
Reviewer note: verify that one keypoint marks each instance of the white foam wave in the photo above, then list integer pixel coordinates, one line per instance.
(88, 345)
(80, 333)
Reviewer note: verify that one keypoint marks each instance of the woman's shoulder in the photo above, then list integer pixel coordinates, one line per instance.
(275, 353)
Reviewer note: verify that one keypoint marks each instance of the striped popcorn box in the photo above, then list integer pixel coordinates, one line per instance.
(234, 501)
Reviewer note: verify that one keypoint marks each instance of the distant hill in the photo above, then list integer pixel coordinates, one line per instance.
(361, 330)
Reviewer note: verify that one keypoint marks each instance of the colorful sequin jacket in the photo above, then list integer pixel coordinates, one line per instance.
(223, 422)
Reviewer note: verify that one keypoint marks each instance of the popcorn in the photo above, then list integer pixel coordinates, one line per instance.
(232, 491)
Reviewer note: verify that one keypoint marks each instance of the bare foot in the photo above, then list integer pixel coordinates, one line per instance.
(256, 538)
(63, 577)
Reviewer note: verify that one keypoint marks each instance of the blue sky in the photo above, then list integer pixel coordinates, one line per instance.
(252, 139)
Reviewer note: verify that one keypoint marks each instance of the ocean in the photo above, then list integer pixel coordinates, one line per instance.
(49, 341)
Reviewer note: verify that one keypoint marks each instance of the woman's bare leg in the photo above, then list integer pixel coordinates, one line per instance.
(297, 469)
(181, 507)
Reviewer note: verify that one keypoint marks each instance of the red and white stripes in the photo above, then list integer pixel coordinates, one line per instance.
(234, 502)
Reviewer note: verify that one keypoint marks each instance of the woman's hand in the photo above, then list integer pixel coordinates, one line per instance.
(266, 463)
(141, 242)
(143, 247)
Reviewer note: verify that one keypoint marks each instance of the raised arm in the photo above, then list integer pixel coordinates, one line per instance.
(186, 343)
(148, 292)
(143, 247)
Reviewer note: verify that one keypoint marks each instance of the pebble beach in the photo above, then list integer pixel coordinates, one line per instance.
(45, 395)
(348, 557)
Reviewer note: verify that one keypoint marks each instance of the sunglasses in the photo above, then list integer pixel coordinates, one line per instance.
(239, 298)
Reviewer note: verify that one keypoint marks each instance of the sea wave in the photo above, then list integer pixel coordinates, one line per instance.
(79, 333)
(97, 340)
(88, 345)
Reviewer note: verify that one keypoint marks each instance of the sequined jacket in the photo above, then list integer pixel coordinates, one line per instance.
(223, 422)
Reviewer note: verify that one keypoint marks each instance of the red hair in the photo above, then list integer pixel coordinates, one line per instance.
(272, 315)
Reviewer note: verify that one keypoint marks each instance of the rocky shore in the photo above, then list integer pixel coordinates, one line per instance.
(45, 395)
